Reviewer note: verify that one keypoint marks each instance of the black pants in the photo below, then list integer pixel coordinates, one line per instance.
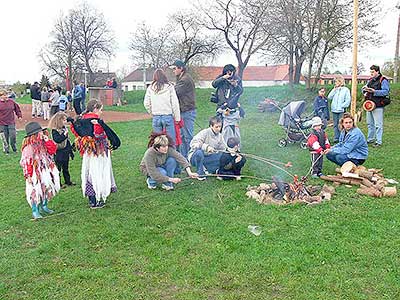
(77, 106)
(9, 137)
(62, 165)
(54, 110)
(316, 163)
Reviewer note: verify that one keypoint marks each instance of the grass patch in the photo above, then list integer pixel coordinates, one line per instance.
(192, 244)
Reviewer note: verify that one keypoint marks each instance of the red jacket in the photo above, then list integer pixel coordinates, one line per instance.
(314, 144)
(7, 110)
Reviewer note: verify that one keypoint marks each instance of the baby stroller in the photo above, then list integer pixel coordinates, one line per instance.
(297, 129)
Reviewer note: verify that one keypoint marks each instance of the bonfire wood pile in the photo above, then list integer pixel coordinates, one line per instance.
(282, 193)
(371, 182)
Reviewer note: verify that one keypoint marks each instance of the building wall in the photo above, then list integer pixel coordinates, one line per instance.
(138, 85)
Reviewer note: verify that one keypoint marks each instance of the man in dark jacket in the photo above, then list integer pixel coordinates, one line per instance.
(36, 100)
(187, 102)
(376, 90)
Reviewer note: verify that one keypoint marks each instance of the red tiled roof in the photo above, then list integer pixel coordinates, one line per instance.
(346, 77)
(209, 73)
(251, 73)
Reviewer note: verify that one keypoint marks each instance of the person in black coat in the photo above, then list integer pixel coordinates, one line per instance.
(59, 132)
(231, 162)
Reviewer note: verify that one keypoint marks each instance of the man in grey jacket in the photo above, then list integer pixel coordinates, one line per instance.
(185, 90)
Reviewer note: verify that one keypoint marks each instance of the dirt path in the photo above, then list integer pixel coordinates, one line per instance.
(107, 116)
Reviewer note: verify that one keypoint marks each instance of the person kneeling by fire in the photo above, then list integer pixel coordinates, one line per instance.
(160, 161)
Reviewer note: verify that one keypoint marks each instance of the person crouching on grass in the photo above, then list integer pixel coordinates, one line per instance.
(231, 162)
(41, 174)
(159, 162)
(93, 139)
(318, 143)
(59, 132)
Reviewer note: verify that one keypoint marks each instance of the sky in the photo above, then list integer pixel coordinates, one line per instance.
(26, 27)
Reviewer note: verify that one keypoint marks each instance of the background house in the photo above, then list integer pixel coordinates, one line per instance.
(330, 79)
(204, 76)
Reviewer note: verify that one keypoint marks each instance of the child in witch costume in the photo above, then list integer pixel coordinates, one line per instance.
(41, 174)
(93, 139)
(59, 132)
(231, 162)
(318, 143)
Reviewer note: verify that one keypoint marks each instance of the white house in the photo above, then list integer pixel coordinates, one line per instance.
(204, 76)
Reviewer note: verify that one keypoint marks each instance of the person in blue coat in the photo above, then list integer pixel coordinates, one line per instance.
(352, 144)
(340, 96)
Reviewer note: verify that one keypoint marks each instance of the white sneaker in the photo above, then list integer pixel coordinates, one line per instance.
(201, 178)
(167, 187)
(220, 178)
(238, 178)
(149, 185)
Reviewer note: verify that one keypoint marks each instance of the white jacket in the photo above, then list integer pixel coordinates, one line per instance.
(164, 102)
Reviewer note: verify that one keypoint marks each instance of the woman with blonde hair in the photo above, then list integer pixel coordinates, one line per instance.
(340, 96)
(162, 102)
(59, 132)
(352, 144)
(160, 161)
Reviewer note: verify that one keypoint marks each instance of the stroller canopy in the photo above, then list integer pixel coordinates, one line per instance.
(293, 110)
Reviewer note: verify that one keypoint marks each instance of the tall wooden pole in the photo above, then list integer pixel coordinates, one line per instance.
(354, 73)
(396, 54)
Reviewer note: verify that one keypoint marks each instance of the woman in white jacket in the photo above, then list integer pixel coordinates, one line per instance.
(161, 101)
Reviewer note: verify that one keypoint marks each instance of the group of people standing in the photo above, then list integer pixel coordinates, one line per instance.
(47, 101)
(350, 142)
(173, 107)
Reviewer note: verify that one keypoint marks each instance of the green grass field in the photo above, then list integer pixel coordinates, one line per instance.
(193, 243)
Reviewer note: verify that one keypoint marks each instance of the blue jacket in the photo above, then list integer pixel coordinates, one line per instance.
(78, 92)
(353, 144)
(321, 108)
(340, 99)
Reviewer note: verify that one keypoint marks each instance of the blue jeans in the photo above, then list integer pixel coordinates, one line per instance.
(340, 159)
(188, 118)
(336, 118)
(83, 104)
(375, 125)
(201, 161)
(166, 169)
(164, 123)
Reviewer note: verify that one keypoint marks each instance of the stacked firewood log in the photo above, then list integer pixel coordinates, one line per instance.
(371, 182)
(291, 193)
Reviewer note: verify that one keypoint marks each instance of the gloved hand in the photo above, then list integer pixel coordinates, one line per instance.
(71, 120)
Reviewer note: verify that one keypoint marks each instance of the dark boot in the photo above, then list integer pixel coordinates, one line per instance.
(92, 201)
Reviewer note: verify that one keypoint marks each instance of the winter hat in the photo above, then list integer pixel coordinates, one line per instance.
(316, 121)
(179, 64)
(232, 142)
(32, 128)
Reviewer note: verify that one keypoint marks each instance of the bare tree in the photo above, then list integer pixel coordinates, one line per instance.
(182, 38)
(94, 38)
(61, 51)
(310, 30)
(242, 23)
(190, 42)
(151, 46)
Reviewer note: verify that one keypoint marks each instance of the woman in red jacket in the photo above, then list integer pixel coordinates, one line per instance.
(41, 174)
